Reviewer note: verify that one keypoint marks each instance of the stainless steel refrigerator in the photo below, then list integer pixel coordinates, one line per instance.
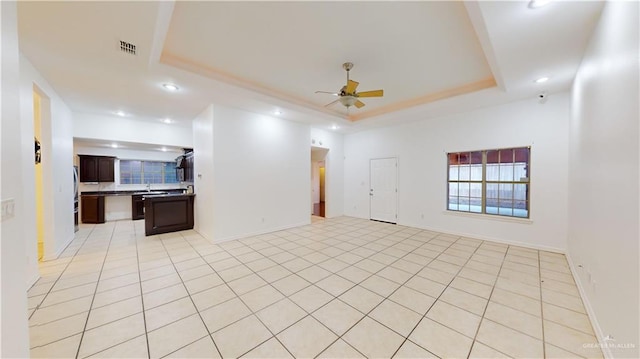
(76, 182)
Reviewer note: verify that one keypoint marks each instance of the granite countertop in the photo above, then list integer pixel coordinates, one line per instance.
(172, 191)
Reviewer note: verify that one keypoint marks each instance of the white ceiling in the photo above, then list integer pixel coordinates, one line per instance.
(122, 145)
(431, 58)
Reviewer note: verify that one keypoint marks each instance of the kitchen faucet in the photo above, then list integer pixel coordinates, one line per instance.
(148, 186)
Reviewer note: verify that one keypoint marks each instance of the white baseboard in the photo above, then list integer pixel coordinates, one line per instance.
(606, 351)
(57, 254)
(256, 233)
(488, 238)
(476, 236)
(32, 281)
(498, 240)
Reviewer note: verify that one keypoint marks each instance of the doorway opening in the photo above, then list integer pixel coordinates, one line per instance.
(318, 181)
(39, 190)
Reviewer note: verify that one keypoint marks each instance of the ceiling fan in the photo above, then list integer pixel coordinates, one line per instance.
(348, 95)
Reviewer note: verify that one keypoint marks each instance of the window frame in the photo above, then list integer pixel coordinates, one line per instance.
(162, 173)
(484, 182)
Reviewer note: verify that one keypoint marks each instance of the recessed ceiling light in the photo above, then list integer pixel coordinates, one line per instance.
(542, 79)
(534, 4)
(120, 113)
(114, 145)
(170, 87)
(277, 112)
(167, 120)
(164, 149)
(334, 127)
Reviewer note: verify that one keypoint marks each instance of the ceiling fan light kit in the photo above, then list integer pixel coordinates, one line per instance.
(348, 101)
(348, 95)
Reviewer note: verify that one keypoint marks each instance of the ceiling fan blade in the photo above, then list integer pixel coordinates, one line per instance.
(331, 103)
(330, 93)
(359, 104)
(375, 93)
(351, 86)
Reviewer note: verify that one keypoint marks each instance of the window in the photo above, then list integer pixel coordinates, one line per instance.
(142, 172)
(490, 182)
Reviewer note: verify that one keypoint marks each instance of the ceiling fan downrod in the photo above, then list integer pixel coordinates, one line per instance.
(347, 66)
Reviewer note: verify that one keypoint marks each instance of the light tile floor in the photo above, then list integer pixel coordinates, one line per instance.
(338, 288)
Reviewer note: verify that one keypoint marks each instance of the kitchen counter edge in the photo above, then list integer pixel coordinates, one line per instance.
(130, 192)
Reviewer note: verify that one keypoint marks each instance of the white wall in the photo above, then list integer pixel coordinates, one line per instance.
(261, 172)
(334, 169)
(57, 163)
(128, 129)
(203, 173)
(13, 271)
(422, 169)
(603, 181)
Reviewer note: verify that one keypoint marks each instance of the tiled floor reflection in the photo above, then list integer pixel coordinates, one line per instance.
(338, 288)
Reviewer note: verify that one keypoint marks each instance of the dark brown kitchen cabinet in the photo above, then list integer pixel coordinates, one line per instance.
(137, 207)
(168, 213)
(188, 171)
(92, 209)
(97, 168)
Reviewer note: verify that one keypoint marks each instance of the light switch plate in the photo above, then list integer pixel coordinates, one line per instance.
(8, 208)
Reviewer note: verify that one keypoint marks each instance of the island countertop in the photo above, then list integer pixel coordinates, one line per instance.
(133, 192)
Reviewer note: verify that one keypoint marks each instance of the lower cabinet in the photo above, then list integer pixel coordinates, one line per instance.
(137, 207)
(92, 209)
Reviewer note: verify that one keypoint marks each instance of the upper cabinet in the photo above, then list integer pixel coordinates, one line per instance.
(188, 172)
(97, 168)
(184, 167)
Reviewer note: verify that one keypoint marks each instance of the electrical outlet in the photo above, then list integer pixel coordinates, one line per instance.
(8, 209)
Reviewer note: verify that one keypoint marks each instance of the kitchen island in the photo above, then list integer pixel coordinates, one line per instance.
(168, 213)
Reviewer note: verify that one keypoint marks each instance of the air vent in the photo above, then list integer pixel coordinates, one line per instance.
(127, 47)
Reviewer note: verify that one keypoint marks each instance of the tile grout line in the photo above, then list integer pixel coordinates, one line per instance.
(366, 315)
(371, 275)
(484, 312)
(84, 330)
(310, 314)
(69, 336)
(144, 313)
(414, 275)
(544, 342)
(224, 281)
(406, 338)
(61, 273)
(190, 298)
(269, 283)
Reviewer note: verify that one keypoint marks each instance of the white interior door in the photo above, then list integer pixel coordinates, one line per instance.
(383, 191)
